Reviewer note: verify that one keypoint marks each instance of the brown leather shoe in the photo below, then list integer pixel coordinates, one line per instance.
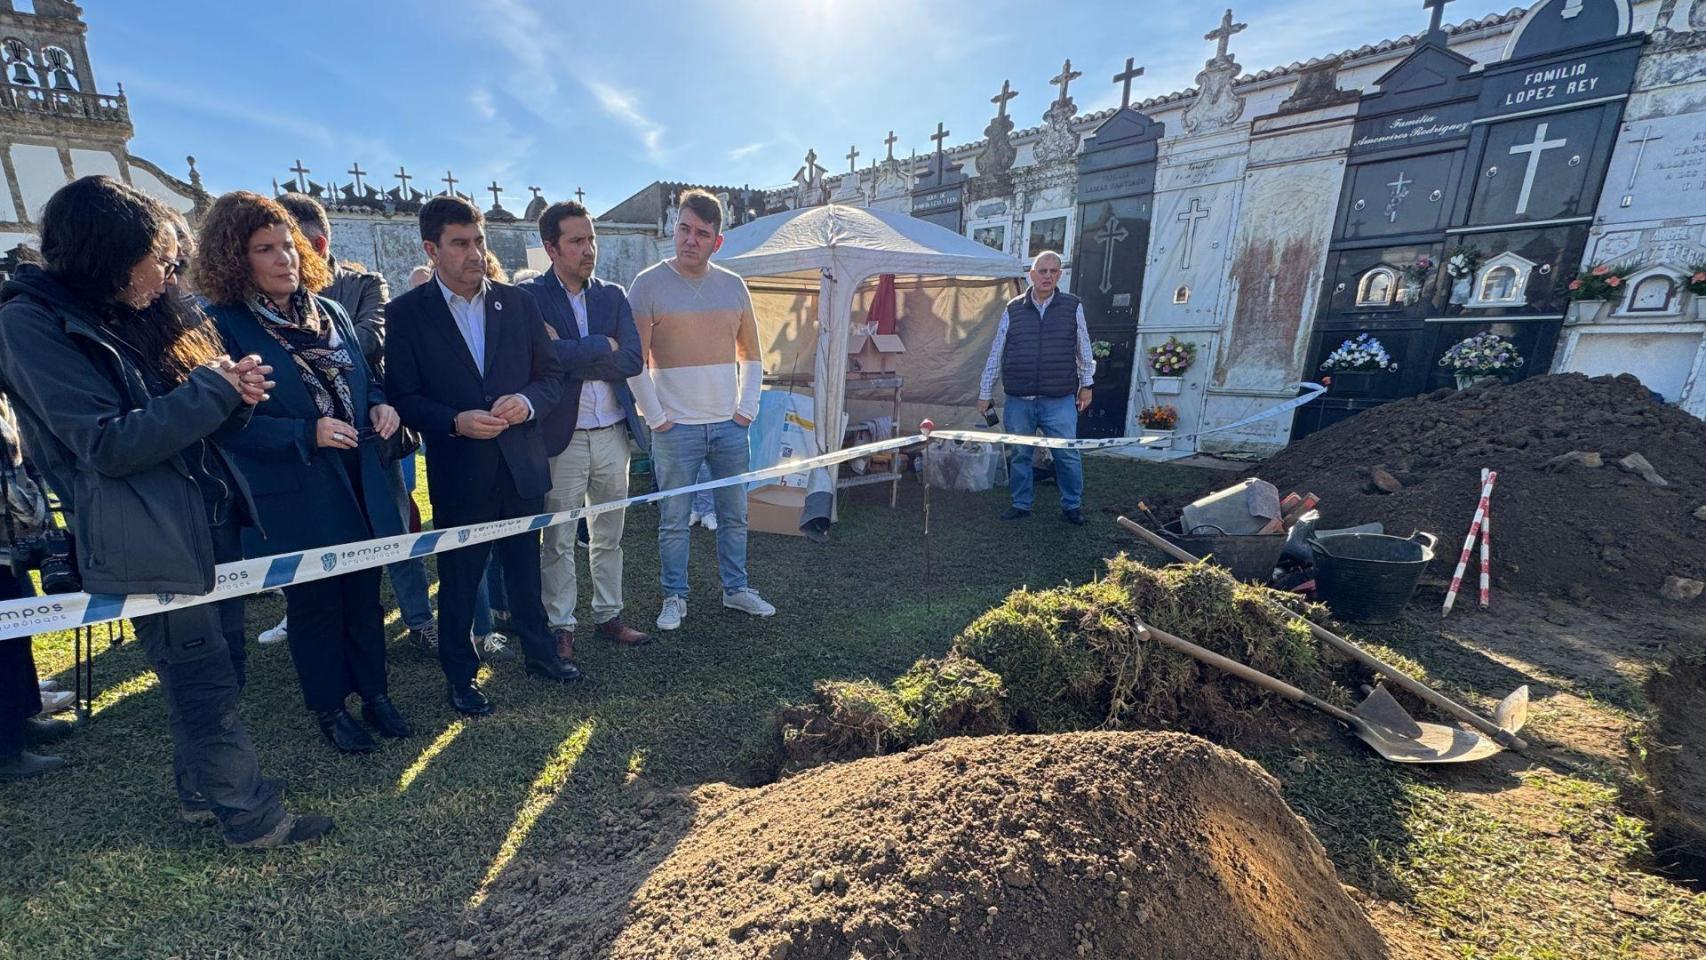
(565, 638)
(616, 631)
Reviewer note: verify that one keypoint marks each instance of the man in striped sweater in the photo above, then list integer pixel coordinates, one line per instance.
(698, 393)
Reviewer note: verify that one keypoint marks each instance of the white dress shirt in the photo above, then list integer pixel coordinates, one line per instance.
(599, 407)
(470, 317)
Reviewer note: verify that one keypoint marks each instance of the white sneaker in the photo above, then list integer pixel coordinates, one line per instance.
(748, 601)
(709, 521)
(492, 646)
(47, 686)
(278, 633)
(673, 612)
(694, 518)
(53, 701)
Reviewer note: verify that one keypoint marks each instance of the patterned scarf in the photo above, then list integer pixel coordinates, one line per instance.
(323, 367)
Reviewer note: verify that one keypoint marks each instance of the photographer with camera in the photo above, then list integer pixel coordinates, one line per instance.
(121, 391)
(23, 524)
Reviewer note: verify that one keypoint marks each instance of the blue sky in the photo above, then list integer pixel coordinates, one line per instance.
(536, 93)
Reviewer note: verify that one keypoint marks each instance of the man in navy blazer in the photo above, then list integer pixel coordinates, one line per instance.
(468, 363)
(592, 329)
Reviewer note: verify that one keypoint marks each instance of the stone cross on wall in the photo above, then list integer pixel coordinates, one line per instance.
(403, 178)
(497, 195)
(449, 184)
(1438, 15)
(890, 142)
(356, 172)
(301, 174)
(939, 136)
(1400, 191)
(853, 158)
(1124, 79)
(1000, 100)
(1189, 218)
(580, 196)
(1064, 79)
(1109, 237)
(1645, 138)
(1224, 33)
(1534, 149)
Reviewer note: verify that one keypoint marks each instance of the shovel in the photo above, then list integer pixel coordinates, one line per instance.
(1378, 721)
(1508, 717)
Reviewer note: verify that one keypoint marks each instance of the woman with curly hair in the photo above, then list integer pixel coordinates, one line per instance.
(311, 452)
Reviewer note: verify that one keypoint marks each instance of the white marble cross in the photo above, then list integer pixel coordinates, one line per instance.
(1645, 138)
(1109, 236)
(1534, 150)
(1400, 190)
(1189, 218)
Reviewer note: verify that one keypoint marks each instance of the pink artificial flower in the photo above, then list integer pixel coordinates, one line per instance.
(1575, 284)
(1601, 270)
(1613, 281)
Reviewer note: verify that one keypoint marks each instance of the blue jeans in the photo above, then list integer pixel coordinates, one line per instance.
(1056, 417)
(408, 577)
(704, 502)
(677, 454)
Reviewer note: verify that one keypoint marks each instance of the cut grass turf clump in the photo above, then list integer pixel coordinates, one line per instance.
(1070, 658)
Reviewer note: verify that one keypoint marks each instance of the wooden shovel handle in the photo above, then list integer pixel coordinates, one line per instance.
(1239, 670)
(1349, 649)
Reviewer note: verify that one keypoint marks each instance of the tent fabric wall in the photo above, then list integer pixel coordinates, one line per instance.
(836, 250)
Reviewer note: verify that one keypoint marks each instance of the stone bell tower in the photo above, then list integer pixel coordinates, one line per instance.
(56, 124)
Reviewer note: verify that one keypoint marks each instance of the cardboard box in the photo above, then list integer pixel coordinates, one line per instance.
(774, 508)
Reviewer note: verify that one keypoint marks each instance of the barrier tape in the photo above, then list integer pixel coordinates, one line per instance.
(68, 611)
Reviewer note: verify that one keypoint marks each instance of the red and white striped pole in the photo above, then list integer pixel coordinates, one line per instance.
(1486, 543)
(1469, 541)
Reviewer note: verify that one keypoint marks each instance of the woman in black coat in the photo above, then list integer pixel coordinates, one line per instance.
(121, 390)
(310, 453)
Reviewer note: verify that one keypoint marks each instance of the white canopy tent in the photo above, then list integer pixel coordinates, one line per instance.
(950, 292)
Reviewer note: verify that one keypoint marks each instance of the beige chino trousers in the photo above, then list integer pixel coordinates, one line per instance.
(592, 469)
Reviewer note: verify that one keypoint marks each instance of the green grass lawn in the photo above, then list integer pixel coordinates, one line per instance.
(94, 863)
(1502, 862)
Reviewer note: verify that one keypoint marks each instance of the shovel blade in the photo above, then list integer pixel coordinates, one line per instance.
(1512, 711)
(1387, 727)
(1436, 743)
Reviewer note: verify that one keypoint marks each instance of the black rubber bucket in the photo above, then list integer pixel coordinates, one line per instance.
(1250, 558)
(1369, 577)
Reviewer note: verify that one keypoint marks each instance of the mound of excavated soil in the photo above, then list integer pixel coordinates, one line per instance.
(1578, 532)
(1153, 845)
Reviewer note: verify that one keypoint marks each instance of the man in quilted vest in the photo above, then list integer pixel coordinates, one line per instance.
(1042, 355)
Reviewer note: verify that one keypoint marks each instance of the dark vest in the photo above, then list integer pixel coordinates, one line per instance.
(1040, 357)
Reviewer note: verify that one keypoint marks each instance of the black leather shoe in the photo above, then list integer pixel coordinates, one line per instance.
(469, 701)
(1074, 516)
(343, 732)
(1014, 513)
(24, 765)
(40, 730)
(382, 715)
(556, 671)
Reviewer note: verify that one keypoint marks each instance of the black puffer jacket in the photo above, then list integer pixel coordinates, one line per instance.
(119, 457)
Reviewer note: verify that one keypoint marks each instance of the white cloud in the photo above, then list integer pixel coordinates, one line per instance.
(741, 153)
(624, 106)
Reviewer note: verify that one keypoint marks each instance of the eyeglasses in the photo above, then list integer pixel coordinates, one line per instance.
(173, 267)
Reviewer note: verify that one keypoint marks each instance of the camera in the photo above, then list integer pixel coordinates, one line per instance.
(54, 553)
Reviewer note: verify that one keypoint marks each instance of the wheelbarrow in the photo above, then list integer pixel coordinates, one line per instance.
(1508, 717)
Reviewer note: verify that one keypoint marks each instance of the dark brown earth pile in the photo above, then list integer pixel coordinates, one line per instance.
(1575, 532)
(1078, 845)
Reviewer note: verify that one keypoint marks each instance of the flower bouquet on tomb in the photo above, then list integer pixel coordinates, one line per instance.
(1480, 358)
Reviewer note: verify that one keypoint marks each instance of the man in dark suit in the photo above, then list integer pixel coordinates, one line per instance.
(586, 436)
(469, 364)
